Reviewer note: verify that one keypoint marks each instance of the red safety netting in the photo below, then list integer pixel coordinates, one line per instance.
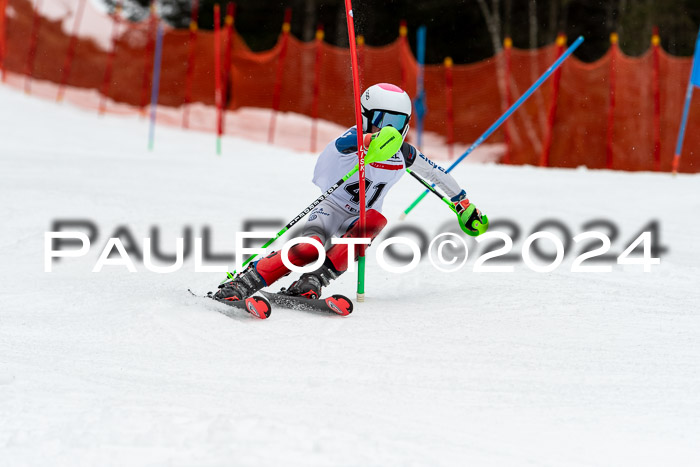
(581, 133)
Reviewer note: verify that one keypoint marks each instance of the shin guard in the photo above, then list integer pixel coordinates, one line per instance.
(338, 254)
(272, 268)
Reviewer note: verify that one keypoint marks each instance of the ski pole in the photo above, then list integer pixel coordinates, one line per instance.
(505, 116)
(383, 146)
(316, 202)
(451, 205)
(432, 189)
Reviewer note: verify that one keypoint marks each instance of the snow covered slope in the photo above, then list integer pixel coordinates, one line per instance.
(435, 368)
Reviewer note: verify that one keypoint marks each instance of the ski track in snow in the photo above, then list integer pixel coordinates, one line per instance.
(437, 369)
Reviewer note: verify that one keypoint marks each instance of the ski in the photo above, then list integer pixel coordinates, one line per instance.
(257, 306)
(338, 304)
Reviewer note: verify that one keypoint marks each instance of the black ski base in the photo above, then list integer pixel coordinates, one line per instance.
(338, 304)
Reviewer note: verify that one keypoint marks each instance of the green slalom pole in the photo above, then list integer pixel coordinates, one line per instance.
(383, 146)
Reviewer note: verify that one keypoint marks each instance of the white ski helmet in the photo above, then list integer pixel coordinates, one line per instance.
(383, 105)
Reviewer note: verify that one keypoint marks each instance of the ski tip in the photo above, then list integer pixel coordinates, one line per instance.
(256, 306)
(340, 304)
(259, 307)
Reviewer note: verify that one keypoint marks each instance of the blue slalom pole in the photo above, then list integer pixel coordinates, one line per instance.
(420, 91)
(505, 116)
(155, 87)
(681, 132)
(692, 82)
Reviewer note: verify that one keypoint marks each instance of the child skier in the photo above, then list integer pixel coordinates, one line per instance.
(382, 105)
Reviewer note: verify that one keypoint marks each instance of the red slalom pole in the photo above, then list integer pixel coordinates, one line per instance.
(551, 115)
(3, 48)
(276, 94)
(449, 105)
(656, 131)
(610, 134)
(29, 66)
(217, 74)
(403, 32)
(190, 64)
(110, 59)
(317, 86)
(507, 46)
(226, 77)
(360, 150)
(68, 62)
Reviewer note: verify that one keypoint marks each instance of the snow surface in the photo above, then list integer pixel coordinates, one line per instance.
(437, 369)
